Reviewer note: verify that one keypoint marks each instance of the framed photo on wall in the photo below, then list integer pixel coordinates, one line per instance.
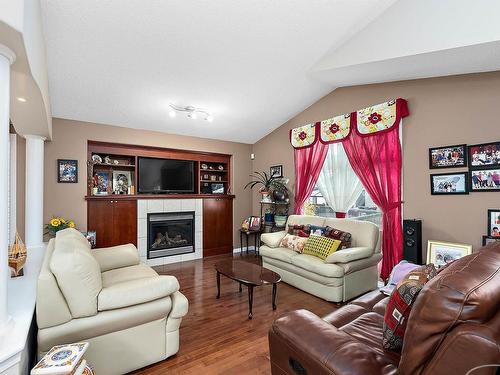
(67, 171)
(485, 155)
(276, 171)
(494, 223)
(448, 157)
(441, 253)
(485, 179)
(449, 183)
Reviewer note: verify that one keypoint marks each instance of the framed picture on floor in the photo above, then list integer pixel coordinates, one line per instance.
(449, 183)
(448, 157)
(494, 223)
(441, 253)
(489, 240)
(485, 180)
(485, 156)
(67, 171)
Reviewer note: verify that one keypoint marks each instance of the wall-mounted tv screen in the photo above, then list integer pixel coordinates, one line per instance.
(165, 176)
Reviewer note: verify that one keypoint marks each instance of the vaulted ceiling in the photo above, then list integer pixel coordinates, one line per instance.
(252, 64)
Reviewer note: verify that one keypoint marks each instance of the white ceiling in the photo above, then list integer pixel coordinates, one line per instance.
(121, 62)
(253, 64)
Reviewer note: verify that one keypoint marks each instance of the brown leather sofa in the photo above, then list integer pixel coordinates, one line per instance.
(454, 326)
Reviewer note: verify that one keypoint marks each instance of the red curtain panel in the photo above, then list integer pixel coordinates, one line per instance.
(377, 161)
(308, 164)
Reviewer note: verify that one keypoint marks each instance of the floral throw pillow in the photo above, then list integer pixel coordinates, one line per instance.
(400, 304)
(294, 243)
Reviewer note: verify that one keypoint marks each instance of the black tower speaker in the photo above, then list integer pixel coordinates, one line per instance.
(412, 241)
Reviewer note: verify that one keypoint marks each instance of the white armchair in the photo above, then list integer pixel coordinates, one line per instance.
(127, 312)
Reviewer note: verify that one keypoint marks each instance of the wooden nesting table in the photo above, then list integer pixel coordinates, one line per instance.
(248, 274)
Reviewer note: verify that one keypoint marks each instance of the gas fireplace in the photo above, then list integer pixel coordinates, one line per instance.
(170, 234)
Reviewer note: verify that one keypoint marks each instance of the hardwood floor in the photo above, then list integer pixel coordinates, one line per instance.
(216, 337)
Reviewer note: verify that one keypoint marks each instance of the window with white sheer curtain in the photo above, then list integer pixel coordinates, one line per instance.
(338, 189)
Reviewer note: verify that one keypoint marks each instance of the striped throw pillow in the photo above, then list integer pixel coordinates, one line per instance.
(320, 246)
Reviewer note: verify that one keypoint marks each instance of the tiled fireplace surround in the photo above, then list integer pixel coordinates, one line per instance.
(147, 206)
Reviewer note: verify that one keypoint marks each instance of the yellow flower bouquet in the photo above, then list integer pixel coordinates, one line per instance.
(59, 223)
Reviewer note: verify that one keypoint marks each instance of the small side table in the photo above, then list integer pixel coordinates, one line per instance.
(248, 234)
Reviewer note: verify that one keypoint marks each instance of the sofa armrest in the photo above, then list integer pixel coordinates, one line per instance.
(113, 257)
(303, 342)
(272, 239)
(135, 292)
(349, 255)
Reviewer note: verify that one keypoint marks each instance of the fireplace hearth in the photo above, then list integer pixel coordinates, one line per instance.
(170, 234)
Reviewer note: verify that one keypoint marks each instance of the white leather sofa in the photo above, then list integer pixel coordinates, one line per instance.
(127, 312)
(342, 276)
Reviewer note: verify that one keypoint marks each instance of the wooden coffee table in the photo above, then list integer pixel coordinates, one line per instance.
(248, 274)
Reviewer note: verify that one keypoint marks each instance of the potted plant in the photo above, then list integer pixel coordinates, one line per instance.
(58, 223)
(267, 184)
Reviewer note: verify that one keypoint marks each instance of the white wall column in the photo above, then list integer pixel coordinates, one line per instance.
(7, 57)
(34, 190)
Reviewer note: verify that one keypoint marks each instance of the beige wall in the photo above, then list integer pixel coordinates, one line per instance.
(70, 142)
(443, 111)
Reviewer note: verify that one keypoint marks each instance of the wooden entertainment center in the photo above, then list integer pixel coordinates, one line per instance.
(114, 216)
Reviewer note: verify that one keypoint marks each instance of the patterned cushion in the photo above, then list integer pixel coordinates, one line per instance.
(317, 230)
(320, 246)
(299, 230)
(337, 234)
(400, 304)
(295, 243)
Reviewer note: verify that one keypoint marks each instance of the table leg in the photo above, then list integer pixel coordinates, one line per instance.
(218, 284)
(240, 287)
(241, 243)
(246, 239)
(275, 287)
(250, 301)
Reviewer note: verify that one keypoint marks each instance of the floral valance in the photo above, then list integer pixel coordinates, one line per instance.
(304, 136)
(366, 122)
(335, 129)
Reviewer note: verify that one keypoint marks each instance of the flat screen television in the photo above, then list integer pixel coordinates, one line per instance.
(165, 176)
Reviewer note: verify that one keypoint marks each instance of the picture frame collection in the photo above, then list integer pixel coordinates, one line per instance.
(482, 160)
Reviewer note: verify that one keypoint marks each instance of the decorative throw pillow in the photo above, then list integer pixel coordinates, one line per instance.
(317, 230)
(299, 230)
(400, 304)
(294, 243)
(337, 234)
(320, 246)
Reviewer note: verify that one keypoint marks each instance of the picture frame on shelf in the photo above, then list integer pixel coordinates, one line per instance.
(276, 171)
(454, 156)
(449, 183)
(122, 181)
(102, 183)
(489, 240)
(494, 223)
(485, 180)
(484, 155)
(441, 253)
(67, 171)
(217, 188)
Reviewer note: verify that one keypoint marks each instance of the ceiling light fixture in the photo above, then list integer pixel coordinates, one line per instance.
(191, 112)
(23, 100)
